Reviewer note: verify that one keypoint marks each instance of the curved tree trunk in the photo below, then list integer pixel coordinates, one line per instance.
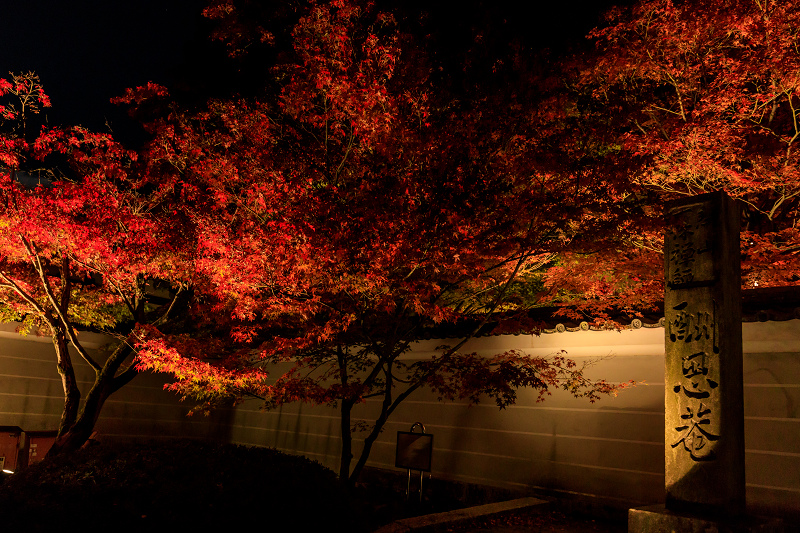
(368, 442)
(387, 408)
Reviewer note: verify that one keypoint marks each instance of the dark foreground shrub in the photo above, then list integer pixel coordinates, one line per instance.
(175, 485)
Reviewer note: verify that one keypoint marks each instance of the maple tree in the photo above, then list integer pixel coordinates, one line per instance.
(348, 210)
(687, 97)
(77, 249)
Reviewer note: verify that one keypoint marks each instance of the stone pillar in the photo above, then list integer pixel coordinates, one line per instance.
(704, 413)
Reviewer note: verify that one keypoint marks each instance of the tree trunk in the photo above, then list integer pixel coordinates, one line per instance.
(106, 382)
(347, 440)
(387, 408)
(368, 442)
(72, 394)
(76, 436)
(345, 420)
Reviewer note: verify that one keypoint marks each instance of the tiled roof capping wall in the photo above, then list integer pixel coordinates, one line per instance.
(758, 305)
(774, 303)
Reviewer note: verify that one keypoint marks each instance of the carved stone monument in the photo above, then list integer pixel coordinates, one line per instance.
(704, 413)
(704, 410)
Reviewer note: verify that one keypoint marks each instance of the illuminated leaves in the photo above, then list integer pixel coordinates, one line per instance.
(351, 209)
(83, 244)
(26, 95)
(703, 96)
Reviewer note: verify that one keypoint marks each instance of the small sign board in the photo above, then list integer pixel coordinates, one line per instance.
(414, 451)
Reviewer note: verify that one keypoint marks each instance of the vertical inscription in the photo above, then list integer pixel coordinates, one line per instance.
(689, 255)
(697, 428)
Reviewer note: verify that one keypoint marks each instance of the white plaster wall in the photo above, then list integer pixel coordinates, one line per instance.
(613, 448)
(31, 395)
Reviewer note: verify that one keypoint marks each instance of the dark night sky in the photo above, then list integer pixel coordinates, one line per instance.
(87, 51)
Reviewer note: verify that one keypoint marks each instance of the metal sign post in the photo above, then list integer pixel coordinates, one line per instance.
(414, 451)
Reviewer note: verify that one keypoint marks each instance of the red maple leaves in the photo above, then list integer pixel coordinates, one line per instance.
(80, 247)
(360, 200)
(346, 211)
(704, 96)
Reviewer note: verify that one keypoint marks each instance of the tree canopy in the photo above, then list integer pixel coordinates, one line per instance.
(357, 187)
(78, 249)
(687, 97)
(351, 206)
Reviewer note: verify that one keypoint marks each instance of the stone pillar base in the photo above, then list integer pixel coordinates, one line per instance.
(658, 519)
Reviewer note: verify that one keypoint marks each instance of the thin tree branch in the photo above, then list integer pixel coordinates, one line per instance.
(346, 153)
(30, 248)
(27, 297)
